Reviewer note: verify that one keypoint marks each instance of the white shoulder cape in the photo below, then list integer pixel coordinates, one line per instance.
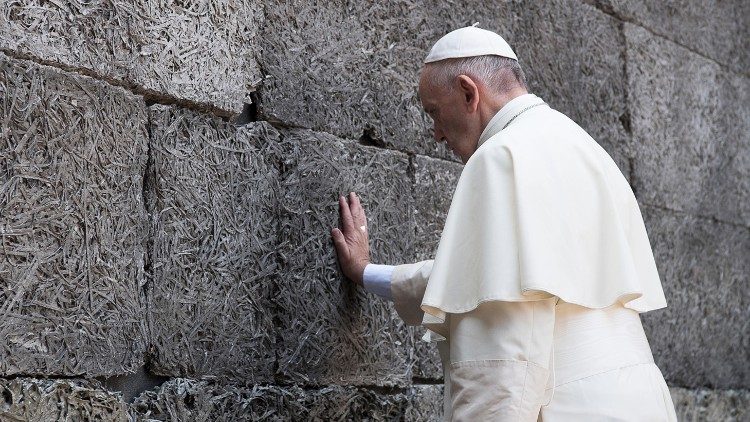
(541, 210)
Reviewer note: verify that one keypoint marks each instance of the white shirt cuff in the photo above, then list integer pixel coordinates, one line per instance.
(377, 279)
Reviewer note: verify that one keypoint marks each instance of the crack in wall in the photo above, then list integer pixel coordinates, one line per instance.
(151, 96)
(418, 382)
(148, 194)
(690, 214)
(282, 126)
(427, 381)
(133, 385)
(252, 111)
(625, 118)
(19, 375)
(607, 9)
(276, 307)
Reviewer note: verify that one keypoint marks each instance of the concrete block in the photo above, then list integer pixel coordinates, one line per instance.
(426, 359)
(359, 70)
(197, 51)
(332, 331)
(345, 403)
(183, 399)
(434, 183)
(716, 29)
(199, 401)
(701, 339)
(42, 400)
(426, 403)
(575, 72)
(690, 130)
(73, 153)
(213, 190)
(710, 405)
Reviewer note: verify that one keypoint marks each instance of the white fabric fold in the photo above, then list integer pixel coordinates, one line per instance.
(408, 282)
(541, 210)
(500, 357)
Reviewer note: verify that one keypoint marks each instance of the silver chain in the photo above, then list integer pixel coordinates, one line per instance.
(519, 113)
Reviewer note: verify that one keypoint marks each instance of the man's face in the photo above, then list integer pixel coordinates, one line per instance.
(450, 117)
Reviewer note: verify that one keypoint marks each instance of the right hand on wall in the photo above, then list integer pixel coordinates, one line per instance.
(351, 240)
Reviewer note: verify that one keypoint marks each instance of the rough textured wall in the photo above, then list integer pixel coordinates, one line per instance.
(169, 173)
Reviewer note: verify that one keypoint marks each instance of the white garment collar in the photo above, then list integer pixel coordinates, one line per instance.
(506, 113)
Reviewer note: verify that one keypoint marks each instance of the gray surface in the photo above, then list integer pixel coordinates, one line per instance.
(426, 359)
(361, 61)
(719, 29)
(710, 405)
(73, 221)
(40, 400)
(212, 190)
(183, 400)
(332, 331)
(434, 183)
(245, 286)
(132, 385)
(200, 51)
(702, 338)
(426, 403)
(691, 130)
(580, 73)
(358, 71)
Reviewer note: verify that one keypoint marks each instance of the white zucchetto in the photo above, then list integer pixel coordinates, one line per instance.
(469, 42)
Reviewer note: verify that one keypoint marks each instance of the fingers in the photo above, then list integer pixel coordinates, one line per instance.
(340, 242)
(347, 222)
(358, 213)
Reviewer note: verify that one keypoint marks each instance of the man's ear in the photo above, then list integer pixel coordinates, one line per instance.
(470, 92)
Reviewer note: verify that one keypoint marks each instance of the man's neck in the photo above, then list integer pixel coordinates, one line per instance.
(495, 103)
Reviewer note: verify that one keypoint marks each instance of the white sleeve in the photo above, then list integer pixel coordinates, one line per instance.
(408, 283)
(500, 356)
(377, 279)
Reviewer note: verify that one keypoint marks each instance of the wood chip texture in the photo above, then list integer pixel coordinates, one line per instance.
(203, 401)
(72, 223)
(200, 51)
(332, 331)
(212, 197)
(35, 400)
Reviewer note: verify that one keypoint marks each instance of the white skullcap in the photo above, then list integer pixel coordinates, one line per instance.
(469, 42)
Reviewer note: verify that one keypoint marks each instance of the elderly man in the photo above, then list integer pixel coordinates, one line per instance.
(543, 265)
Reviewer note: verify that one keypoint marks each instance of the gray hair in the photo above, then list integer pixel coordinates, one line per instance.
(500, 73)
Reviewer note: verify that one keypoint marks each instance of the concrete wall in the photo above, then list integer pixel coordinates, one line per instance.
(169, 174)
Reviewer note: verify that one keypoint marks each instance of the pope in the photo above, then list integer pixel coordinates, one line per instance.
(543, 265)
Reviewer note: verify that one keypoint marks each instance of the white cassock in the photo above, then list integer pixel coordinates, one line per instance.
(542, 269)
